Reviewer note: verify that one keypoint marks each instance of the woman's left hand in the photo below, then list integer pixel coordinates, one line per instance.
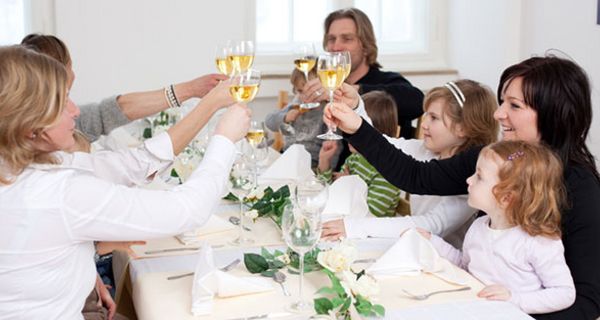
(333, 230)
(495, 292)
(200, 86)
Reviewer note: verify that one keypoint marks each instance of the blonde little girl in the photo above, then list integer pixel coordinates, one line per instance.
(458, 115)
(516, 249)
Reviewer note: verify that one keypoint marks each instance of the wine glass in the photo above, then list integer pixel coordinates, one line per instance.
(346, 63)
(222, 53)
(244, 85)
(311, 195)
(305, 60)
(331, 73)
(255, 137)
(242, 56)
(241, 182)
(301, 232)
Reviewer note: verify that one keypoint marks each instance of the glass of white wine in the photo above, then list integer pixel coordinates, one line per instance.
(244, 85)
(241, 56)
(346, 63)
(241, 182)
(305, 60)
(255, 138)
(301, 232)
(330, 68)
(222, 53)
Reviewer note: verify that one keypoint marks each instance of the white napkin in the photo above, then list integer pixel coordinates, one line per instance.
(413, 254)
(347, 197)
(210, 282)
(293, 164)
(215, 224)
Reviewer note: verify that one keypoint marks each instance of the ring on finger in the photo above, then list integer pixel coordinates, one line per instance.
(318, 93)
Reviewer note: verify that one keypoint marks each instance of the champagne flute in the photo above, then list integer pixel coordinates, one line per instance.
(222, 53)
(242, 56)
(241, 182)
(301, 232)
(331, 74)
(305, 60)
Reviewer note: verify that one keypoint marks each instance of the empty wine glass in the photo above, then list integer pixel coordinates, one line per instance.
(330, 68)
(311, 195)
(241, 182)
(301, 232)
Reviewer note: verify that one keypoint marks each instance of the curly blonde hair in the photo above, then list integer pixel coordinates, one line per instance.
(531, 179)
(33, 94)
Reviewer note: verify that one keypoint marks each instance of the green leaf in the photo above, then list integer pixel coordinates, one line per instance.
(266, 254)
(147, 133)
(174, 173)
(346, 305)
(322, 305)
(326, 290)
(379, 310)
(232, 197)
(269, 273)
(255, 263)
(276, 264)
(337, 301)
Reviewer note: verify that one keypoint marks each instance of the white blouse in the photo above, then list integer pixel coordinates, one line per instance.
(51, 214)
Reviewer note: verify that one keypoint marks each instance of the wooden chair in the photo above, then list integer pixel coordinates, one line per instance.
(282, 101)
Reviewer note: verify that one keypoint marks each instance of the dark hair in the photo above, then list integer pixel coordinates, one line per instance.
(382, 110)
(48, 45)
(364, 31)
(559, 91)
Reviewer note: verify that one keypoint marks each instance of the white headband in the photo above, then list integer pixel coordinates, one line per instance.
(458, 95)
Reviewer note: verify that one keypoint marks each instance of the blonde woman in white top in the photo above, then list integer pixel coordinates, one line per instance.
(457, 115)
(51, 215)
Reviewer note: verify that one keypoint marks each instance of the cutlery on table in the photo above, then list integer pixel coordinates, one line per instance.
(226, 268)
(280, 277)
(272, 315)
(179, 249)
(427, 295)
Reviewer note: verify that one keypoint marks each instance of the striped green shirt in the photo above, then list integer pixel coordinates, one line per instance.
(382, 197)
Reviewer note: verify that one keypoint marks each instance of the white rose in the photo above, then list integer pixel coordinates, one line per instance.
(366, 286)
(284, 258)
(255, 194)
(251, 214)
(338, 259)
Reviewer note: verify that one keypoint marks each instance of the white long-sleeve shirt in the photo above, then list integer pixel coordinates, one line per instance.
(51, 214)
(532, 268)
(441, 215)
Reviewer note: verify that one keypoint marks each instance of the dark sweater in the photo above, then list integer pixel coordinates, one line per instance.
(580, 221)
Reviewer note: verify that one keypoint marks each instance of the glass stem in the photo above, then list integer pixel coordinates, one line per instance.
(301, 256)
(241, 221)
(331, 127)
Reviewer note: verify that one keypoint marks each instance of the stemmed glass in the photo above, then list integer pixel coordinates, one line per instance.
(255, 138)
(305, 60)
(346, 64)
(222, 53)
(244, 85)
(311, 195)
(301, 232)
(241, 182)
(242, 56)
(330, 68)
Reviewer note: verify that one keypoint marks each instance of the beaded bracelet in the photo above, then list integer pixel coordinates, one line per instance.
(171, 98)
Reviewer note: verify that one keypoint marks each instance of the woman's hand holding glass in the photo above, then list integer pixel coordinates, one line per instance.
(234, 123)
(340, 115)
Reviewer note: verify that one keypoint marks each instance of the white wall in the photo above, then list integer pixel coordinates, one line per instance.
(571, 27)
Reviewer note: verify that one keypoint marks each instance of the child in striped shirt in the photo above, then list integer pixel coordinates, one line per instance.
(382, 196)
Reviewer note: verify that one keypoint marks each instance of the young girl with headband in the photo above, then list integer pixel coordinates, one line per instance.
(458, 115)
(516, 250)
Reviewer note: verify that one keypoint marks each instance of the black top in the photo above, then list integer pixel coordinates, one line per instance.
(580, 221)
(409, 100)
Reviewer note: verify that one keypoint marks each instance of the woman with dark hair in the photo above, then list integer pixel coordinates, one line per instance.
(543, 100)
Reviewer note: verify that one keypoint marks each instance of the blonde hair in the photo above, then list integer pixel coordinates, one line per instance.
(33, 89)
(476, 116)
(531, 179)
(298, 80)
(382, 110)
(364, 31)
(82, 143)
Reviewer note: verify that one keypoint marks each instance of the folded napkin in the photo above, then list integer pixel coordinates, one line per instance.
(119, 138)
(347, 197)
(215, 224)
(413, 254)
(210, 282)
(292, 165)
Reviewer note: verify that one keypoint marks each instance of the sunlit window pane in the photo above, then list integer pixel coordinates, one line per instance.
(12, 21)
(397, 20)
(272, 21)
(308, 19)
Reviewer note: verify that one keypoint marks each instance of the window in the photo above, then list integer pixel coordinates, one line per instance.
(12, 21)
(407, 31)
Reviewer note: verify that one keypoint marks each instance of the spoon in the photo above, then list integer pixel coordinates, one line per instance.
(280, 277)
(226, 268)
(236, 221)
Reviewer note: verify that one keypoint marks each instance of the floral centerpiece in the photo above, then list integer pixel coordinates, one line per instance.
(348, 289)
(267, 203)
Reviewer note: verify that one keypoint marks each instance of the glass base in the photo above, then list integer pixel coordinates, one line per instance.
(310, 105)
(304, 307)
(329, 136)
(241, 242)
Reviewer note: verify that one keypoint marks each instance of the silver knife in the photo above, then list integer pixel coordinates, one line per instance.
(265, 316)
(181, 249)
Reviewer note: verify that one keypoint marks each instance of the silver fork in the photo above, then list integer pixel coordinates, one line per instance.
(427, 295)
(226, 268)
